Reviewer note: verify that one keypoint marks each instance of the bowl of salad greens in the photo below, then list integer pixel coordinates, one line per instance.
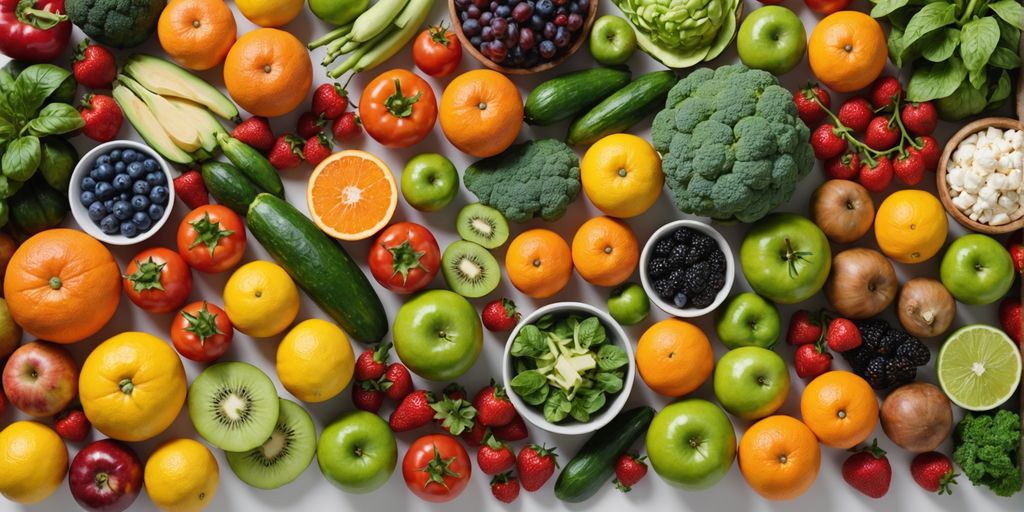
(568, 368)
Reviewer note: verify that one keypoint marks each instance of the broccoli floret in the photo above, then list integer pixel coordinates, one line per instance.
(536, 178)
(117, 23)
(987, 448)
(732, 145)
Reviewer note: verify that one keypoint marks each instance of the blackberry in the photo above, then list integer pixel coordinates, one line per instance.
(664, 246)
(705, 243)
(901, 370)
(676, 277)
(877, 373)
(675, 262)
(872, 329)
(716, 282)
(858, 358)
(696, 279)
(658, 267)
(664, 288)
(704, 299)
(683, 235)
(680, 251)
(885, 344)
(915, 351)
(717, 260)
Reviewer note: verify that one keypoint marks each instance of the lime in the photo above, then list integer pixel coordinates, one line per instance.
(978, 367)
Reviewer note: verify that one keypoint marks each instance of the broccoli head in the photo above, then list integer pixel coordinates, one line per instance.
(732, 145)
(117, 23)
(987, 448)
(538, 178)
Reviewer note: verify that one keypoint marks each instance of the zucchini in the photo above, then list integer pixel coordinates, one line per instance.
(320, 266)
(573, 93)
(251, 163)
(589, 470)
(623, 109)
(229, 186)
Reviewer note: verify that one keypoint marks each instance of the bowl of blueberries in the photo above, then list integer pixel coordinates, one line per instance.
(121, 192)
(687, 268)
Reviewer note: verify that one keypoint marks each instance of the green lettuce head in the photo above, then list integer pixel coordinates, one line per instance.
(682, 33)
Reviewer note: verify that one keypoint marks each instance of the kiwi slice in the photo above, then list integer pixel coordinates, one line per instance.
(284, 456)
(234, 406)
(483, 225)
(469, 269)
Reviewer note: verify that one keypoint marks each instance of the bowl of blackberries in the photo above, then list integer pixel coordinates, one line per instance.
(121, 192)
(522, 36)
(687, 268)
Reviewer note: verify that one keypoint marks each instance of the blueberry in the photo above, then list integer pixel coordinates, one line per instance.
(115, 155)
(545, 8)
(122, 182)
(104, 191)
(158, 194)
(680, 300)
(97, 211)
(122, 210)
(142, 221)
(103, 172)
(87, 198)
(124, 196)
(129, 230)
(103, 159)
(88, 183)
(108, 204)
(136, 170)
(141, 187)
(129, 155)
(140, 203)
(155, 178)
(120, 168)
(150, 165)
(156, 212)
(109, 225)
(547, 49)
(471, 27)
(503, 11)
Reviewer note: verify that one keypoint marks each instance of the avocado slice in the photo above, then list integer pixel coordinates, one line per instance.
(206, 125)
(168, 79)
(149, 128)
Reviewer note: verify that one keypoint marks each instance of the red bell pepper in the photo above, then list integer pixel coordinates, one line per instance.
(33, 30)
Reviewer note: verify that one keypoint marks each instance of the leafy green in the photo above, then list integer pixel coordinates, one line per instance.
(611, 357)
(681, 33)
(987, 448)
(529, 342)
(531, 386)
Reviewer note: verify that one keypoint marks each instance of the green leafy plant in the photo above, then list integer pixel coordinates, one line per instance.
(682, 33)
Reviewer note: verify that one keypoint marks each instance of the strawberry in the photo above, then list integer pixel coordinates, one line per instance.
(909, 168)
(505, 487)
(629, 469)
(855, 113)
(454, 415)
(803, 328)
(930, 151)
(255, 132)
(868, 470)
(882, 134)
(495, 457)
(810, 111)
(493, 406)
(885, 91)
(455, 391)
(316, 149)
(191, 189)
(843, 167)
(516, 430)
(330, 101)
(72, 425)
(842, 335)
(919, 118)
(346, 127)
(811, 360)
(397, 382)
(309, 125)
(366, 395)
(876, 177)
(1010, 318)
(94, 66)
(475, 436)
(370, 365)
(827, 142)
(413, 412)
(102, 117)
(286, 153)
(536, 464)
(1016, 249)
(933, 471)
(500, 315)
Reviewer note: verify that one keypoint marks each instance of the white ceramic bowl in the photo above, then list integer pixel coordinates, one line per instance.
(730, 268)
(81, 213)
(535, 414)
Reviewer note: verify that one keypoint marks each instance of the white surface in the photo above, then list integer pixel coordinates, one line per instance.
(312, 492)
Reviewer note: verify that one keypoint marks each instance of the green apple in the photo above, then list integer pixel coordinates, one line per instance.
(612, 40)
(786, 258)
(748, 320)
(357, 452)
(691, 444)
(338, 12)
(429, 182)
(751, 382)
(772, 38)
(977, 269)
(438, 335)
(628, 304)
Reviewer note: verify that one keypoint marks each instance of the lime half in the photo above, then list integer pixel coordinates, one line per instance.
(979, 367)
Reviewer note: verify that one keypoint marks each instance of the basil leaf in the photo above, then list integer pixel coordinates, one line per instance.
(1010, 11)
(55, 119)
(529, 342)
(611, 357)
(21, 159)
(1005, 59)
(557, 407)
(978, 40)
(34, 85)
(7, 131)
(884, 7)
(940, 45)
(591, 333)
(931, 17)
(938, 80)
(531, 386)
(1001, 91)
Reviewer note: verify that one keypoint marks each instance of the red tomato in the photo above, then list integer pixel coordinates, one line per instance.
(398, 108)
(437, 51)
(158, 280)
(211, 238)
(436, 468)
(202, 332)
(827, 6)
(405, 257)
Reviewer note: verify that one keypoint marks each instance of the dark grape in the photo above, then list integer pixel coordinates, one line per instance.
(526, 40)
(574, 8)
(473, 12)
(486, 17)
(494, 5)
(503, 11)
(475, 41)
(545, 8)
(487, 34)
(518, 56)
(522, 12)
(575, 22)
(537, 23)
(463, 15)
(499, 25)
(547, 49)
(485, 49)
(562, 37)
(561, 20)
(511, 35)
(498, 51)
(471, 27)
(549, 30)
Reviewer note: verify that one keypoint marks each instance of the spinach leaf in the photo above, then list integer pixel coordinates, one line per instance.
(611, 357)
(590, 333)
(7, 131)
(1000, 92)
(557, 406)
(54, 119)
(938, 80)
(931, 17)
(563, 329)
(531, 386)
(609, 382)
(529, 342)
(978, 40)
(545, 322)
(884, 7)
(940, 45)
(895, 44)
(21, 159)
(592, 400)
(1005, 59)
(34, 85)
(966, 100)
(1010, 11)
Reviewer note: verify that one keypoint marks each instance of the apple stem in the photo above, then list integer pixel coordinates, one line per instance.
(101, 480)
(792, 257)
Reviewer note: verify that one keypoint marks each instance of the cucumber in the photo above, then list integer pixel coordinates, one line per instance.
(229, 186)
(595, 462)
(320, 266)
(623, 109)
(567, 95)
(251, 163)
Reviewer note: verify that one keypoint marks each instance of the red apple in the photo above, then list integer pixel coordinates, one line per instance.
(827, 6)
(105, 476)
(41, 378)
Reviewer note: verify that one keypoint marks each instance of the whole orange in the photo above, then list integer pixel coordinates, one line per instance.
(481, 112)
(196, 33)
(674, 357)
(779, 457)
(605, 251)
(268, 72)
(840, 408)
(539, 263)
(910, 226)
(847, 50)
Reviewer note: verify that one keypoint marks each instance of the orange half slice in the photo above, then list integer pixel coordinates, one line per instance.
(351, 195)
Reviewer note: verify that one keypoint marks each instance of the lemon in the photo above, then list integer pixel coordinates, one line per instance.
(622, 175)
(33, 461)
(270, 13)
(978, 367)
(910, 226)
(261, 299)
(315, 361)
(182, 475)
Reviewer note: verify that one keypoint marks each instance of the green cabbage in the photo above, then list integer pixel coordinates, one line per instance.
(682, 33)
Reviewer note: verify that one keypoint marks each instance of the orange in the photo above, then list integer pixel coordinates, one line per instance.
(910, 226)
(840, 408)
(196, 33)
(481, 112)
(621, 174)
(779, 457)
(605, 251)
(674, 357)
(351, 195)
(539, 263)
(847, 50)
(268, 72)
